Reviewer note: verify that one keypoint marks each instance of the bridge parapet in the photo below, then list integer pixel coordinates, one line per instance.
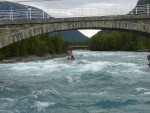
(31, 23)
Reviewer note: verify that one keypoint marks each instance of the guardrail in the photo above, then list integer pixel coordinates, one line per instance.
(113, 10)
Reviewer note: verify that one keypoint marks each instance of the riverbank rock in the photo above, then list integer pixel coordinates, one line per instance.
(33, 58)
(148, 57)
(143, 50)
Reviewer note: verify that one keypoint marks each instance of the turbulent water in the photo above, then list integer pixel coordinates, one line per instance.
(96, 82)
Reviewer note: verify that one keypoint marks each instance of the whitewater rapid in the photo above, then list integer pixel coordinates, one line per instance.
(95, 82)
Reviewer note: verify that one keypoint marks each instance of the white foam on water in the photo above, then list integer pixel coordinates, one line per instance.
(94, 66)
(33, 66)
(100, 93)
(123, 64)
(45, 92)
(7, 99)
(95, 54)
(37, 68)
(5, 102)
(41, 106)
(70, 79)
(142, 89)
(146, 93)
(8, 111)
(126, 69)
(91, 94)
(131, 56)
(73, 78)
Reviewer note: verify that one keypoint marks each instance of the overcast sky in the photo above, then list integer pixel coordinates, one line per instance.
(123, 5)
(91, 7)
(78, 3)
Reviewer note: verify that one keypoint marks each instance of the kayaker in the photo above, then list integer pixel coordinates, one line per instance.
(72, 57)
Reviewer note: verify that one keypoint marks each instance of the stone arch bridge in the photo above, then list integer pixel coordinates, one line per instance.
(28, 28)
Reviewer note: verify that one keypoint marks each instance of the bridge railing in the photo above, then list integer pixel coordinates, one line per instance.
(112, 10)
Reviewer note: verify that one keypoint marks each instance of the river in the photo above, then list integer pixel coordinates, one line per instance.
(96, 82)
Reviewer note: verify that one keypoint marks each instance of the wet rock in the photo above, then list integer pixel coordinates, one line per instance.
(148, 57)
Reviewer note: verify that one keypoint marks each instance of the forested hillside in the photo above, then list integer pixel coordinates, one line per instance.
(71, 35)
(119, 41)
(39, 46)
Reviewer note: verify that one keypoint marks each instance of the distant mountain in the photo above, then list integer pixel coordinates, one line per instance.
(142, 2)
(19, 10)
(140, 11)
(71, 35)
(7, 6)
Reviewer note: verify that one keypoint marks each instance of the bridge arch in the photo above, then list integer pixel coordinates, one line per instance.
(71, 25)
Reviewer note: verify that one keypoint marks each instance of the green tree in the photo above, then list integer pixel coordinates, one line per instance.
(118, 41)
